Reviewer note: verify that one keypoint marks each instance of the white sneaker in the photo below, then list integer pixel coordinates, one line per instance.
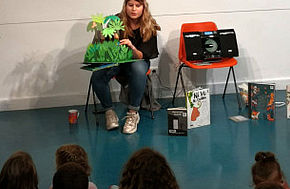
(112, 120)
(132, 120)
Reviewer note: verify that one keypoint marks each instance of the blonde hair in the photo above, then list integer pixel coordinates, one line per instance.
(148, 25)
(72, 153)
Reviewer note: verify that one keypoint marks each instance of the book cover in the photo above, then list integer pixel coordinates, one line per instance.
(288, 101)
(177, 121)
(261, 101)
(198, 107)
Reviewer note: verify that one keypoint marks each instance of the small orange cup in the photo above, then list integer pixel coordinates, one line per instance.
(73, 116)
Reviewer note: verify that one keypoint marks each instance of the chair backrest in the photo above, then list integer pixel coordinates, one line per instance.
(193, 27)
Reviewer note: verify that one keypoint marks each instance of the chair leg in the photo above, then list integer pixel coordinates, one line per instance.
(236, 87)
(176, 83)
(182, 83)
(235, 82)
(88, 95)
(227, 81)
(94, 99)
(150, 100)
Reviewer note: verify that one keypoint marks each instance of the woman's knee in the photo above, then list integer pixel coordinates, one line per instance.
(140, 67)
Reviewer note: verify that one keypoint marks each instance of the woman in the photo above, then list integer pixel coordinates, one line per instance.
(140, 35)
(19, 172)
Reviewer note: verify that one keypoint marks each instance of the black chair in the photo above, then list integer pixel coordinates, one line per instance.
(149, 96)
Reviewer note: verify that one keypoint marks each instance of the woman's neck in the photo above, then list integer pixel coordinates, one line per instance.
(134, 24)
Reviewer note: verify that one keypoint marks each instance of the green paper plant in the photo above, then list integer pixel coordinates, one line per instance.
(102, 50)
(108, 51)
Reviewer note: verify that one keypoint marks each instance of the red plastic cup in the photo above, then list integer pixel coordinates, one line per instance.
(73, 116)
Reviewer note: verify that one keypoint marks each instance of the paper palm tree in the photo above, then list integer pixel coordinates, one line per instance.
(101, 50)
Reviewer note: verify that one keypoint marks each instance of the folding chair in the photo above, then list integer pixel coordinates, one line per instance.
(94, 97)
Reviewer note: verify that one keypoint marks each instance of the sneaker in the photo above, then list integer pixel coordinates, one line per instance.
(112, 120)
(132, 120)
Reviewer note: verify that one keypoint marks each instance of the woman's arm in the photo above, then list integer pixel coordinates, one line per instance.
(136, 53)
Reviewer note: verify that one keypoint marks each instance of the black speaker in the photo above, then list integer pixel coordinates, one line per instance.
(193, 45)
(210, 45)
(228, 41)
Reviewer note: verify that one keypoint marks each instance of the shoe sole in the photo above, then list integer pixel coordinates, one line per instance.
(113, 128)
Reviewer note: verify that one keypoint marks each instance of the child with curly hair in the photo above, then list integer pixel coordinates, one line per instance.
(73, 153)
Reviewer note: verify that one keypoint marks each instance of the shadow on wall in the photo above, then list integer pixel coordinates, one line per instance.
(39, 77)
(244, 68)
(167, 61)
(168, 66)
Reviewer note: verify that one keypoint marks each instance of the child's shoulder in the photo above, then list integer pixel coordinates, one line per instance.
(92, 185)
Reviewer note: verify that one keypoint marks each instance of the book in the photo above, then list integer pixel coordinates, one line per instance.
(288, 101)
(95, 66)
(198, 107)
(261, 97)
(177, 121)
(91, 67)
(238, 118)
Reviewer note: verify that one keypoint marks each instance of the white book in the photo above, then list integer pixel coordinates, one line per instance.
(288, 101)
(198, 107)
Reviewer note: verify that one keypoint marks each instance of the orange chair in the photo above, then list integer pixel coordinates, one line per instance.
(224, 62)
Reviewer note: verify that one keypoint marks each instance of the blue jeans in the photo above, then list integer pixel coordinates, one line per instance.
(135, 72)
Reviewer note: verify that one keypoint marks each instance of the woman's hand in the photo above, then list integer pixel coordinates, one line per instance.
(136, 53)
(128, 43)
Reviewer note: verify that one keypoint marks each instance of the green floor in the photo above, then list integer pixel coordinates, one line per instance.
(216, 156)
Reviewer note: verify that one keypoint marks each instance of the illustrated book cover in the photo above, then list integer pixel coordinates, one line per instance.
(198, 107)
(177, 121)
(261, 101)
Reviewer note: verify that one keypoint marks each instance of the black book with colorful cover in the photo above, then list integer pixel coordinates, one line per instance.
(261, 101)
(177, 121)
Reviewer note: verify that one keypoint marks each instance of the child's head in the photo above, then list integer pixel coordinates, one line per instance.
(70, 176)
(266, 168)
(269, 185)
(148, 169)
(72, 153)
(19, 172)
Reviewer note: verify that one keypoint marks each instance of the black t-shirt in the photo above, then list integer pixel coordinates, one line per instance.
(148, 48)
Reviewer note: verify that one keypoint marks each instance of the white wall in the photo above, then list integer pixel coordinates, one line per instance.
(42, 45)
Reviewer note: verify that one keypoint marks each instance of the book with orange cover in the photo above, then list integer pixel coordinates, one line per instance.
(261, 101)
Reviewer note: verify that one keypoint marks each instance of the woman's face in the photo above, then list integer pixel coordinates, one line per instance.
(134, 9)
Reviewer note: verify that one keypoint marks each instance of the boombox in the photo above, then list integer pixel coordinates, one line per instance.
(210, 45)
